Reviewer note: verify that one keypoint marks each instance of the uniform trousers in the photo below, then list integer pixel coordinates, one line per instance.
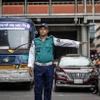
(43, 81)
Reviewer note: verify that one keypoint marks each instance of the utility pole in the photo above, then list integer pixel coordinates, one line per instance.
(93, 10)
(0, 8)
(76, 12)
(25, 7)
(50, 6)
(85, 8)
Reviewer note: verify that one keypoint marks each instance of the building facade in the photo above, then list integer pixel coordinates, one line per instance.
(66, 18)
(97, 36)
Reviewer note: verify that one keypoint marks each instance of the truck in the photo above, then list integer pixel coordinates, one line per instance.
(16, 35)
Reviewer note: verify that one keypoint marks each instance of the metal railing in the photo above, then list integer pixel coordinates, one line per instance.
(75, 2)
(57, 2)
(13, 3)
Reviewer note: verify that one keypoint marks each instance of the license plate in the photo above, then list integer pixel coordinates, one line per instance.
(78, 81)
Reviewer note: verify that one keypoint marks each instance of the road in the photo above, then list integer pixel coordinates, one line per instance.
(11, 93)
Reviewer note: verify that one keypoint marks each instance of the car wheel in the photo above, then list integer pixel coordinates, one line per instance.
(99, 86)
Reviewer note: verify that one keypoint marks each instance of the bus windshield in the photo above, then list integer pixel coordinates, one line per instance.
(13, 38)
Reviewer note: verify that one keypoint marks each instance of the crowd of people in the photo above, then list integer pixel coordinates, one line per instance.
(96, 61)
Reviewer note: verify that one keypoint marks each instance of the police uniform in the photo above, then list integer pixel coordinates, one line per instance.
(41, 58)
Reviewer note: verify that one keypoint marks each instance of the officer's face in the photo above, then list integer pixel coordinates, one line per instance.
(43, 31)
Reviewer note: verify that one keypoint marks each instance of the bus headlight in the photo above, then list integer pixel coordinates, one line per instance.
(23, 66)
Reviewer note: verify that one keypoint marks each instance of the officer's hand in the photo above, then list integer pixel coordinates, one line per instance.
(31, 71)
(83, 43)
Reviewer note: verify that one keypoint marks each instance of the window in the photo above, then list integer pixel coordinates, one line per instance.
(98, 37)
(74, 62)
(13, 38)
(97, 46)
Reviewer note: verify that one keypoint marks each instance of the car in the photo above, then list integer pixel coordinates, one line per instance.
(74, 71)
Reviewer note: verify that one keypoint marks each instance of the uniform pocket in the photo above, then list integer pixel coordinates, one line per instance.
(37, 48)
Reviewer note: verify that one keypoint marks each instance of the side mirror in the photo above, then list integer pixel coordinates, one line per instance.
(55, 62)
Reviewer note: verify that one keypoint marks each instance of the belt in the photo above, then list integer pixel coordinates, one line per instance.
(43, 64)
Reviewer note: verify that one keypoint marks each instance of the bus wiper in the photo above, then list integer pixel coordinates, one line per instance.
(13, 50)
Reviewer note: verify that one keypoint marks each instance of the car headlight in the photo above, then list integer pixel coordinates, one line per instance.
(60, 73)
(23, 66)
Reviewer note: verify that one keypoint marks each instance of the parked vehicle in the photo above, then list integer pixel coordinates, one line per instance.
(99, 81)
(75, 71)
(16, 35)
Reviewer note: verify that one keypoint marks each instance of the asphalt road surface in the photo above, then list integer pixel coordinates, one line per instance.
(11, 93)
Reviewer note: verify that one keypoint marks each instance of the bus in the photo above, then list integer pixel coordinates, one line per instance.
(16, 35)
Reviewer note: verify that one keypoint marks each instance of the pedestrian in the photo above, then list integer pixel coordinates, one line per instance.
(95, 59)
(41, 60)
(97, 67)
(92, 57)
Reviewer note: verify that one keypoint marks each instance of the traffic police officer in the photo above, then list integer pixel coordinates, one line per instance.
(41, 60)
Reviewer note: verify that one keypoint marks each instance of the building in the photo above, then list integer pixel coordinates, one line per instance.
(97, 36)
(66, 18)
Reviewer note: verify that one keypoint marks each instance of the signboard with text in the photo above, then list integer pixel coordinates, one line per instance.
(14, 25)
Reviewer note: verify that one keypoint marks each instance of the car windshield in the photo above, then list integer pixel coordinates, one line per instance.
(75, 62)
(13, 38)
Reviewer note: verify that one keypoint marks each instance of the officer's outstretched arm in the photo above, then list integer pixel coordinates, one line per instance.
(66, 42)
(83, 43)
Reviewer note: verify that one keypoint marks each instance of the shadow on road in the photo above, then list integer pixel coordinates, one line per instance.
(12, 87)
(73, 90)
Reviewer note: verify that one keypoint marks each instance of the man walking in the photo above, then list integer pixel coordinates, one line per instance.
(41, 60)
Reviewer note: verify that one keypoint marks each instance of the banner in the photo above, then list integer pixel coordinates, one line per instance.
(92, 30)
(14, 25)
